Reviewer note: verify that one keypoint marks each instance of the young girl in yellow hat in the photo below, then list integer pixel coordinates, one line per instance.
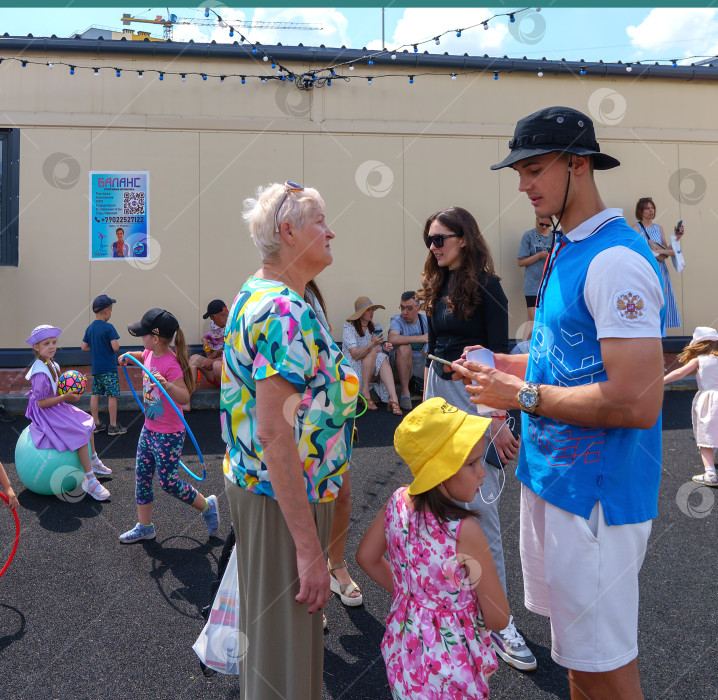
(446, 591)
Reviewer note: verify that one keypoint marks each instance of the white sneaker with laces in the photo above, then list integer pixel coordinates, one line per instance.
(95, 489)
(511, 647)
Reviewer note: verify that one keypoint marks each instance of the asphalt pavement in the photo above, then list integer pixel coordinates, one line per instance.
(83, 616)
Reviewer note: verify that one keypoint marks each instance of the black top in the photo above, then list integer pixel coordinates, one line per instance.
(489, 325)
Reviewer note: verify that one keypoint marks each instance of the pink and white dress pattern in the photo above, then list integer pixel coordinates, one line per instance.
(435, 645)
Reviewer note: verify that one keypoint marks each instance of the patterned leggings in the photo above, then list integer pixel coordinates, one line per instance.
(161, 451)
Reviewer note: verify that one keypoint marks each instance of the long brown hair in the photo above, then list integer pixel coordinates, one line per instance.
(465, 293)
(182, 354)
(360, 331)
(702, 347)
(441, 507)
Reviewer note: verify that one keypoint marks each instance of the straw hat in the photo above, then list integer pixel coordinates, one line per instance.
(435, 440)
(361, 305)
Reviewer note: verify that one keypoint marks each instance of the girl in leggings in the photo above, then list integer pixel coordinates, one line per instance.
(160, 445)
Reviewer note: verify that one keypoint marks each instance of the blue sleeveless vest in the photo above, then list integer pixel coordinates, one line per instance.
(567, 465)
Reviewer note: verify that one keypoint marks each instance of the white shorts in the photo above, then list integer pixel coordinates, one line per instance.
(584, 575)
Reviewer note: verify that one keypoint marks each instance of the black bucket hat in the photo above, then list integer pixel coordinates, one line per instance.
(155, 322)
(552, 130)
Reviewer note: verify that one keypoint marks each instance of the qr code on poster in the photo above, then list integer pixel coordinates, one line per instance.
(134, 203)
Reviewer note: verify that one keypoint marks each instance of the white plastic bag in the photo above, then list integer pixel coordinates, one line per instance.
(678, 262)
(221, 645)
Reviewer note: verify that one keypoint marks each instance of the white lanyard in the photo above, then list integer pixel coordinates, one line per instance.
(510, 422)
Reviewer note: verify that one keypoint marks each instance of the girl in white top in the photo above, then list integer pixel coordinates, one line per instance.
(700, 356)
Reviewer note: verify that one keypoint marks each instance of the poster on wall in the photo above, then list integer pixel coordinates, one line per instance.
(119, 215)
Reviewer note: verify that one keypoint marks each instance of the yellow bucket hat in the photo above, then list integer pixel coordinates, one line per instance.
(435, 439)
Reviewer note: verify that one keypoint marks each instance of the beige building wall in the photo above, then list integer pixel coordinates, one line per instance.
(383, 156)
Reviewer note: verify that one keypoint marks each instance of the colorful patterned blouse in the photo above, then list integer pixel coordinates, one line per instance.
(272, 330)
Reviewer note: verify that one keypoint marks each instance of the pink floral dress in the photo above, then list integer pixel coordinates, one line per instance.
(435, 645)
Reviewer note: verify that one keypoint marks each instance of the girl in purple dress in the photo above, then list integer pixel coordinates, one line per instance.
(446, 591)
(56, 424)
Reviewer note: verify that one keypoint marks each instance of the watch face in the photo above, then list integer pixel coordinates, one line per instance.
(528, 397)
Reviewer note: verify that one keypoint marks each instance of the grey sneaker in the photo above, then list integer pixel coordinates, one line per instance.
(405, 403)
(137, 533)
(99, 427)
(116, 429)
(211, 517)
(511, 647)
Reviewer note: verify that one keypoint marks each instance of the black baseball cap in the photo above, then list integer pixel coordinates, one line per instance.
(155, 322)
(214, 307)
(556, 130)
(102, 302)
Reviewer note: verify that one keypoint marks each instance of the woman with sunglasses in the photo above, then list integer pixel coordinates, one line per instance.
(645, 213)
(533, 250)
(465, 305)
(287, 405)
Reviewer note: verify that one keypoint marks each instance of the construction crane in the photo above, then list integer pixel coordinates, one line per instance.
(171, 20)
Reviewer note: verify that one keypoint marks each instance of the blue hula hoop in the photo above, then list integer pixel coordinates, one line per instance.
(174, 406)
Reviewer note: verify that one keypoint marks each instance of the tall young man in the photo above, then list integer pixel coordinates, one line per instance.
(590, 458)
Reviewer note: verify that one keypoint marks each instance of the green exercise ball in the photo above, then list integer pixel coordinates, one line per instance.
(47, 472)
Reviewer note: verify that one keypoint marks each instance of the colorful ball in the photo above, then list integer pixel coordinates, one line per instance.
(71, 379)
(47, 472)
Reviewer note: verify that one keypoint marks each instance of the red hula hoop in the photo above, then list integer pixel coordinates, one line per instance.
(17, 535)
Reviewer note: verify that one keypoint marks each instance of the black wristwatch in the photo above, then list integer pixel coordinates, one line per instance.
(528, 397)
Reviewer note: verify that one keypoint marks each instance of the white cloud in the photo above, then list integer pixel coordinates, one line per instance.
(331, 27)
(673, 32)
(419, 24)
(210, 29)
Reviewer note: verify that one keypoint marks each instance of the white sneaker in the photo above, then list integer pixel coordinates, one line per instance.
(95, 489)
(511, 647)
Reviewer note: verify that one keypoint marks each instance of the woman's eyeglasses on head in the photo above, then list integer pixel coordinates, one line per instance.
(438, 239)
(289, 186)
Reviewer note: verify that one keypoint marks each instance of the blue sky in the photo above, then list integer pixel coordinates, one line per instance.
(610, 34)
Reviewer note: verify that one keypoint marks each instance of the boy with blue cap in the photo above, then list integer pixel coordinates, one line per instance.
(590, 459)
(102, 341)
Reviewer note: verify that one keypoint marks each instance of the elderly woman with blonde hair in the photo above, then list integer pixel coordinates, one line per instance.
(287, 406)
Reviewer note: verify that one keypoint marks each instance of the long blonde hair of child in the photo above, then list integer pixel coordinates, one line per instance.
(182, 354)
(702, 347)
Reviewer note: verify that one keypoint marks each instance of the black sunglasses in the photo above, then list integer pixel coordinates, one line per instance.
(437, 240)
(544, 225)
